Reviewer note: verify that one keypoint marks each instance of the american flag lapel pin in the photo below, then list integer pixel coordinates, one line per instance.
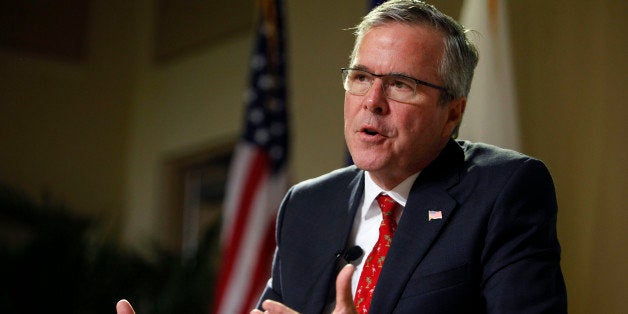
(434, 214)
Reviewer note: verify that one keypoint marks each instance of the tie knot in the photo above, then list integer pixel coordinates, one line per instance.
(387, 205)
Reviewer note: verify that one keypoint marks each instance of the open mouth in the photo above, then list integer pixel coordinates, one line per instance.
(370, 131)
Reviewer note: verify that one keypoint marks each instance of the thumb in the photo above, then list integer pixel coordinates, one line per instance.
(344, 298)
(124, 307)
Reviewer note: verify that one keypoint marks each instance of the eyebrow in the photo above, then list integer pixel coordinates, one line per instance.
(360, 67)
(367, 69)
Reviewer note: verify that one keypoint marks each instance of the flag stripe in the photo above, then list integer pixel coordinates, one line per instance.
(252, 243)
(249, 269)
(256, 175)
(257, 178)
(262, 269)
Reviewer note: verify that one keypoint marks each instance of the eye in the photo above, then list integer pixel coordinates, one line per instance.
(359, 77)
(401, 84)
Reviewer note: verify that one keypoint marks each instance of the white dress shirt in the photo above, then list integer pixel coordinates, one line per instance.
(369, 216)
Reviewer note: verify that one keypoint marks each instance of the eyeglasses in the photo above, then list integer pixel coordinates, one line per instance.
(396, 86)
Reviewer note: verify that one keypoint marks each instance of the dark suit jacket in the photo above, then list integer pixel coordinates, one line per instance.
(495, 250)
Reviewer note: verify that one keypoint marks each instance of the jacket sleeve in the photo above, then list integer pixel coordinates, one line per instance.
(273, 289)
(521, 256)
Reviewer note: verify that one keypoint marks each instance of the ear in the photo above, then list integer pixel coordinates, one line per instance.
(455, 111)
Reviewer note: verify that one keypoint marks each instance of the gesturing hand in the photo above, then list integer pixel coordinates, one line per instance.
(344, 298)
(124, 307)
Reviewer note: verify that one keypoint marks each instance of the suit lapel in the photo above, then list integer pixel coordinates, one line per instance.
(336, 232)
(416, 232)
(356, 188)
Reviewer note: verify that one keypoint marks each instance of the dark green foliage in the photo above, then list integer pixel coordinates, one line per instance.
(48, 264)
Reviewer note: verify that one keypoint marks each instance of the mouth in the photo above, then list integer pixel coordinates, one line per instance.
(370, 131)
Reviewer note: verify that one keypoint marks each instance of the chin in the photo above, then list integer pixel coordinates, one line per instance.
(367, 164)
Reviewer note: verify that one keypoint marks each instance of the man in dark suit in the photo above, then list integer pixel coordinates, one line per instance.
(474, 226)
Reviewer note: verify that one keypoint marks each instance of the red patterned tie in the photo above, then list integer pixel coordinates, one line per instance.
(375, 260)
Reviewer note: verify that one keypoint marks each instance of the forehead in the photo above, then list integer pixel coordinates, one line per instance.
(401, 48)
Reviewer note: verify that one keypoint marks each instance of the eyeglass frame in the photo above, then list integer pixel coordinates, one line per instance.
(416, 81)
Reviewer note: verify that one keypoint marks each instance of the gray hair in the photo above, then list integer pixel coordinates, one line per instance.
(460, 56)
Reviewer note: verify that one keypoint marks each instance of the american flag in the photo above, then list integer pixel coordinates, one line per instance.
(258, 177)
(434, 214)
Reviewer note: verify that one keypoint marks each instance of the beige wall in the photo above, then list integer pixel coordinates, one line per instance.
(571, 69)
(64, 123)
(98, 134)
(182, 105)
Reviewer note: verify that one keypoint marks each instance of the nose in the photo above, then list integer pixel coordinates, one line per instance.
(375, 99)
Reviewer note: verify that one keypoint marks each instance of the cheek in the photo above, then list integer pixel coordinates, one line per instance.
(422, 126)
(415, 120)
(347, 114)
(346, 107)
(351, 108)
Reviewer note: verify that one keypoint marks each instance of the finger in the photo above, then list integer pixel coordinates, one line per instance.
(344, 298)
(256, 311)
(276, 307)
(124, 307)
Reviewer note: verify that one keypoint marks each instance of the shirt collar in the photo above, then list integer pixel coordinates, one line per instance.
(399, 193)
